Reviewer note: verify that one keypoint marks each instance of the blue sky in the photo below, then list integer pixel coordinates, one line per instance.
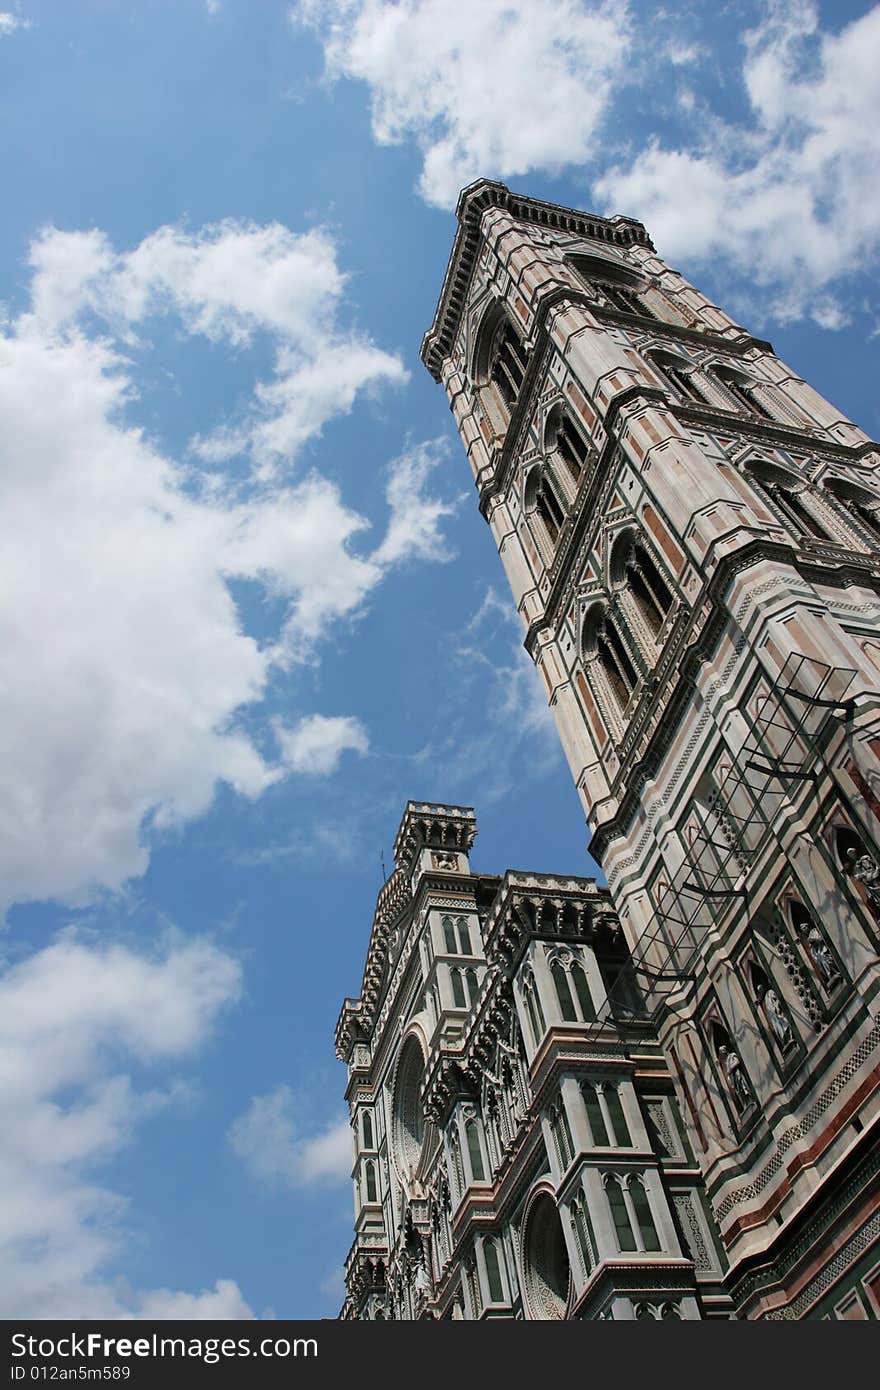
(249, 606)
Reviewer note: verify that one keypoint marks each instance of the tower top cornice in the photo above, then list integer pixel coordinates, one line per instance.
(439, 827)
(472, 204)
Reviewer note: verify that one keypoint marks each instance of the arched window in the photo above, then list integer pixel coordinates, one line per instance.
(473, 988)
(464, 939)
(458, 998)
(644, 1217)
(507, 364)
(449, 936)
(594, 1115)
(620, 1216)
(862, 503)
(563, 992)
(582, 990)
(564, 436)
(669, 1312)
(579, 1223)
(533, 1007)
(541, 498)
(615, 660)
(679, 374)
(633, 565)
(618, 1119)
(367, 1127)
(785, 491)
(493, 1271)
(370, 1182)
(742, 390)
(624, 298)
(475, 1151)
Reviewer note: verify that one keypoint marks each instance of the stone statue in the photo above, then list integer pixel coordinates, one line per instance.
(779, 1024)
(820, 954)
(736, 1079)
(865, 870)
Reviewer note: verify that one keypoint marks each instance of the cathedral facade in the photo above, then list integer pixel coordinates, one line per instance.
(657, 1099)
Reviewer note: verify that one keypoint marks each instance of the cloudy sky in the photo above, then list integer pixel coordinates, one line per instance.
(248, 605)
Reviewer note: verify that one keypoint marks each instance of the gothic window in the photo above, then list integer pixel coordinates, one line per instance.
(561, 1131)
(618, 1119)
(493, 1271)
(633, 566)
(449, 936)
(742, 391)
(541, 499)
(595, 1117)
(507, 365)
(624, 298)
(670, 1312)
(464, 939)
(679, 373)
(579, 1226)
(819, 953)
(615, 660)
(458, 998)
(644, 1216)
(475, 1151)
(370, 1181)
(473, 988)
(367, 1128)
(457, 1168)
(563, 992)
(565, 438)
(861, 503)
(582, 992)
(786, 494)
(533, 1007)
(620, 1215)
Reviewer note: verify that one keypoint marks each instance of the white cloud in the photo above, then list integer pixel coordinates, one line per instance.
(792, 200)
(75, 1020)
(414, 531)
(317, 742)
(229, 282)
(10, 22)
(265, 1139)
(131, 665)
(497, 88)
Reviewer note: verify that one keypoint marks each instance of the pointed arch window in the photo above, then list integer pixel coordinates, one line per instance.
(579, 1223)
(472, 985)
(620, 1215)
(367, 1128)
(679, 374)
(458, 998)
(493, 1271)
(633, 565)
(644, 1216)
(595, 1117)
(533, 1007)
(507, 365)
(563, 992)
(862, 504)
(618, 1119)
(624, 298)
(582, 992)
(370, 1182)
(785, 492)
(449, 936)
(742, 391)
(615, 660)
(475, 1151)
(464, 939)
(570, 445)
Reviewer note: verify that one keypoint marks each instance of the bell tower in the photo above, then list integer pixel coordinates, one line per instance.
(691, 535)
